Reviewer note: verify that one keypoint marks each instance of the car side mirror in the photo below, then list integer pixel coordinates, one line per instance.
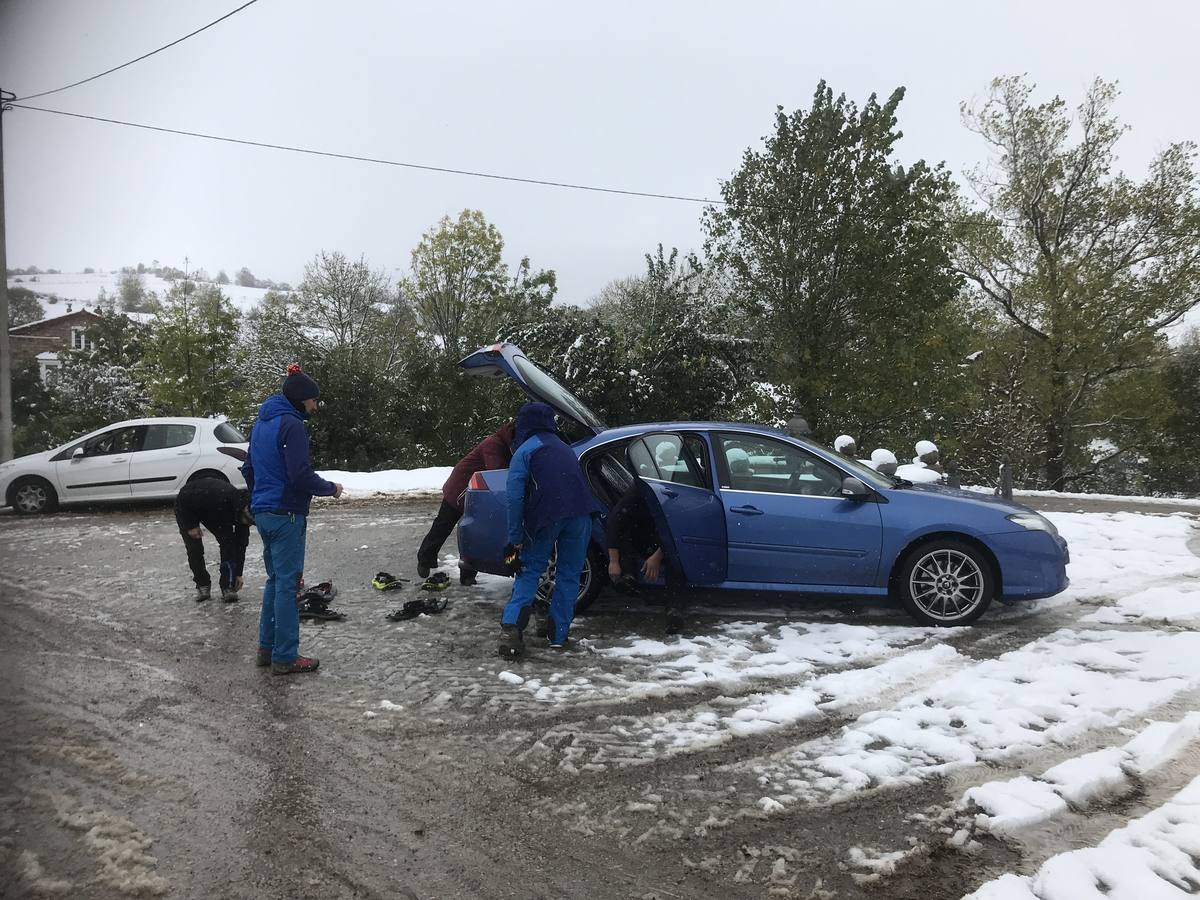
(853, 489)
(78, 453)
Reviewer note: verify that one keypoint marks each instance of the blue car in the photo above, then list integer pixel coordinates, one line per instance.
(748, 508)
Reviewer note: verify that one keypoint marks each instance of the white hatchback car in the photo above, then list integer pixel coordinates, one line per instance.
(138, 459)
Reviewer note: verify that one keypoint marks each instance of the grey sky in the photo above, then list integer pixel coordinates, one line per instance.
(647, 96)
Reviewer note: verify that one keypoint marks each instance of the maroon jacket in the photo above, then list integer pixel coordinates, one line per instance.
(493, 452)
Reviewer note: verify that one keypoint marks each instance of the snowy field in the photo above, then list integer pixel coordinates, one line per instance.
(82, 290)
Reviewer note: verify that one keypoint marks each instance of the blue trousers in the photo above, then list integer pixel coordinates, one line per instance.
(283, 558)
(571, 536)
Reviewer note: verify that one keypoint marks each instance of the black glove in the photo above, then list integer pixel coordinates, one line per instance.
(512, 558)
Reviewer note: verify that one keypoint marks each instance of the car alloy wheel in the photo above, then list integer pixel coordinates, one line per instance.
(946, 584)
(31, 497)
(545, 589)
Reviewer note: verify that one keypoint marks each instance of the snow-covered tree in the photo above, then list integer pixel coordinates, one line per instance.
(1089, 264)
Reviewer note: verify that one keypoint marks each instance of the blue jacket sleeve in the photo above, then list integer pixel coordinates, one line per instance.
(300, 475)
(518, 478)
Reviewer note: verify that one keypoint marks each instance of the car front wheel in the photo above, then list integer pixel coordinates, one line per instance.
(946, 582)
(33, 495)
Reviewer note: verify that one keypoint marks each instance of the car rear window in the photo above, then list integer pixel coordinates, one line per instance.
(227, 434)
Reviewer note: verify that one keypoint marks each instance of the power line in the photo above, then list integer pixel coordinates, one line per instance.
(143, 56)
(370, 159)
(510, 178)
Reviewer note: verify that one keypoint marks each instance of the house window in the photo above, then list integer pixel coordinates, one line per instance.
(80, 340)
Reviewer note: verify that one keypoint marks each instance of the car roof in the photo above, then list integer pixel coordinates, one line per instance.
(624, 431)
(165, 420)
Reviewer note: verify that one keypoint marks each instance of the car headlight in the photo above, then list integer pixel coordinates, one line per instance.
(1033, 522)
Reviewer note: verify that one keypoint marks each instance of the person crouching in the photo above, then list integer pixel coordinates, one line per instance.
(224, 510)
(549, 504)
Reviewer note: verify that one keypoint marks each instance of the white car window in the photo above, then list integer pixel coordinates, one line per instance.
(163, 437)
(119, 440)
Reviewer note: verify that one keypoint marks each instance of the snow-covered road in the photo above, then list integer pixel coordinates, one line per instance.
(809, 750)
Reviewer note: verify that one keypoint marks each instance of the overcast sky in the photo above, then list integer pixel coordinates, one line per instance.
(652, 96)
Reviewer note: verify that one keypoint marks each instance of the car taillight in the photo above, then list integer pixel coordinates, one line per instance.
(477, 482)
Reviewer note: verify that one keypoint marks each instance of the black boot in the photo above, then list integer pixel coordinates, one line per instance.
(511, 644)
(203, 592)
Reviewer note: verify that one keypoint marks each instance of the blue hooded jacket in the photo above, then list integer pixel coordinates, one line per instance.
(278, 471)
(545, 481)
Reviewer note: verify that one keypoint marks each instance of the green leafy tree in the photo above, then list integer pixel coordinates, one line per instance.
(681, 341)
(23, 307)
(1088, 264)
(195, 369)
(132, 294)
(461, 289)
(33, 410)
(839, 254)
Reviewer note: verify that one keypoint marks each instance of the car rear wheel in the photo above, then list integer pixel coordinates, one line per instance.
(591, 580)
(33, 495)
(946, 582)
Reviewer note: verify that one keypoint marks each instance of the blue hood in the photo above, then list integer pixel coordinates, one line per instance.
(532, 418)
(278, 405)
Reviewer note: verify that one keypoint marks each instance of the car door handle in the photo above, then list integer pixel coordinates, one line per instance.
(667, 492)
(746, 510)
(183, 453)
(118, 461)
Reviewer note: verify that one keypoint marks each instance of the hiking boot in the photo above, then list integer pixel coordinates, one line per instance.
(422, 570)
(203, 593)
(558, 645)
(262, 658)
(298, 665)
(229, 596)
(467, 579)
(512, 644)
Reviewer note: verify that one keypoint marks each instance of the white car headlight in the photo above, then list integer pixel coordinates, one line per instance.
(1033, 522)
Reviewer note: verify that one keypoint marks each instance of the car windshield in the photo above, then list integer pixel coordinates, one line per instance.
(556, 395)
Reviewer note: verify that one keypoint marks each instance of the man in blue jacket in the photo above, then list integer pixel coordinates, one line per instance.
(281, 481)
(549, 503)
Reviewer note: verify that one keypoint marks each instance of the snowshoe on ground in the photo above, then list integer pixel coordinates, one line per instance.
(414, 608)
(314, 603)
(203, 592)
(386, 581)
(511, 644)
(321, 613)
(438, 581)
(299, 665)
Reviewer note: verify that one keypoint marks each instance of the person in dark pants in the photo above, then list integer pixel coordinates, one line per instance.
(634, 546)
(225, 511)
(493, 452)
(550, 508)
(282, 483)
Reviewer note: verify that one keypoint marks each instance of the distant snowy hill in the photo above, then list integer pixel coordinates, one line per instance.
(81, 290)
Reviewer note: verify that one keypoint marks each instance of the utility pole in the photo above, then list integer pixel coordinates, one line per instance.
(6, 423)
